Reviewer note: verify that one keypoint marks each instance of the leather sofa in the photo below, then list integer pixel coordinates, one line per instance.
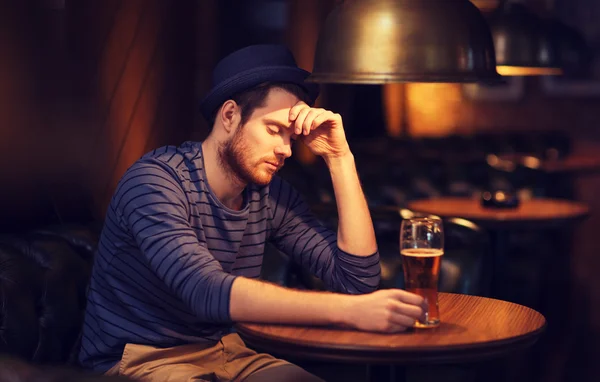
(16, 370)
(43, 280)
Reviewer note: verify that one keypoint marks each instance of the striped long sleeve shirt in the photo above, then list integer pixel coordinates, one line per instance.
(169, 252)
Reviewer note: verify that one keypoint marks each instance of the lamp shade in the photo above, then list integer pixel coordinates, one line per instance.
(574, 53)
(381, 41)
(523, 42)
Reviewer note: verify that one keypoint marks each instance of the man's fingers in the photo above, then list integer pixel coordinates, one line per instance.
(411, 299)
(301, 116)
(425, 306)
(413, 311)
(308, 121)
(322, 118)
(407, 297)
(315, 118)
(295, 110)
(402, 320)
(394, 328)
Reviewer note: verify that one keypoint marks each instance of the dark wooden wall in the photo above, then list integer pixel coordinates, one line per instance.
(88, 88)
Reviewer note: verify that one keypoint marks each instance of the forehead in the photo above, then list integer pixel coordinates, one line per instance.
(277, 106)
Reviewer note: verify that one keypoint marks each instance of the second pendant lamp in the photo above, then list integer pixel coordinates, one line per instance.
(523, 42)
(381, 41)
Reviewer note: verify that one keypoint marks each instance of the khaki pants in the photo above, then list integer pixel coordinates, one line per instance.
(228, 360)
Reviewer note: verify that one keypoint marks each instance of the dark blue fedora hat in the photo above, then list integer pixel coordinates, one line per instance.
(251, 66)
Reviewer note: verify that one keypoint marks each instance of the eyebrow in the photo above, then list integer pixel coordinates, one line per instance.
(277, 123)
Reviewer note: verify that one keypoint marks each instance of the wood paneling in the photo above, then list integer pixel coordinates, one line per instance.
(206, 50)
(89, 88)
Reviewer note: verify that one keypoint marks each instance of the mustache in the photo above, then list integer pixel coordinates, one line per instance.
(276, 161)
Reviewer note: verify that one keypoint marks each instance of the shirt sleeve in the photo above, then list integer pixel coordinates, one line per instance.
(298, 233)
(153, 206)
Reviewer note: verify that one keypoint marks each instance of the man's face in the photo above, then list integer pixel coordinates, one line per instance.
(257, 150)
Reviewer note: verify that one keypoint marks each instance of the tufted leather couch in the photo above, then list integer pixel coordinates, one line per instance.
(16, 370)
(43, 280)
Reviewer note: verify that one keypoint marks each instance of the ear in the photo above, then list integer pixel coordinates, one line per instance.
(229, 115)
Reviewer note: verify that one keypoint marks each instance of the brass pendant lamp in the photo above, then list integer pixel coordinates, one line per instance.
(382, 41)
(523, 42)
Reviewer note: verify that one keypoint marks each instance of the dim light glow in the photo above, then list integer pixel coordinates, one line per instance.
(434, 109)
(506, 70)
(486, 5)
(393, 95)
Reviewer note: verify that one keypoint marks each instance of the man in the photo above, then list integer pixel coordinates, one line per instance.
(182, 244)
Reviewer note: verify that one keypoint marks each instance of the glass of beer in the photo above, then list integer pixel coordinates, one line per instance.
(421, 248)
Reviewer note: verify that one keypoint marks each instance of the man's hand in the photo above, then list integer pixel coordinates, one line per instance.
(321, 130)
(386, 310)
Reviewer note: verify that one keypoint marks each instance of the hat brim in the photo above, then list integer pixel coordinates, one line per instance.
(254, 77)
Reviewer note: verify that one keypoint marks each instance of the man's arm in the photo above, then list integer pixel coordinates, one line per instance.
(298, 233)
(323, 132)
(152, 207)
(389, 310)
(347, 262)
(355, 227)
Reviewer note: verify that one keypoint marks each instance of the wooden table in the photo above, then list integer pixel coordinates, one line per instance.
(575, 163)
(537, 212)
(472, 329)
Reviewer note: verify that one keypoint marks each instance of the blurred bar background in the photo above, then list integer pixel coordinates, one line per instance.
(89, 86)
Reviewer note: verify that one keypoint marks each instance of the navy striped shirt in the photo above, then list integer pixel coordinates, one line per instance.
(169, 252)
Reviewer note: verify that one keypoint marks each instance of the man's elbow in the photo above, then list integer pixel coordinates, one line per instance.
(363, 284)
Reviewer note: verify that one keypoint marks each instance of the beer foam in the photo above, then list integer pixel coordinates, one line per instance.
(422, 252)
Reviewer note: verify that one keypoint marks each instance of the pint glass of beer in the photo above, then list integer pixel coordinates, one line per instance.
(421, 248)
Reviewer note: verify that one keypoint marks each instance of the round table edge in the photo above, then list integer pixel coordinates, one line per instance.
(374, 354)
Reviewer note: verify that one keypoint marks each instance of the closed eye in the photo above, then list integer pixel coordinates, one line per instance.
(277, 128)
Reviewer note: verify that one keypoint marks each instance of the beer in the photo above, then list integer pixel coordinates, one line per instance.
(421, 273)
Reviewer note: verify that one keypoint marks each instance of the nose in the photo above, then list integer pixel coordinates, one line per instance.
(284, 150)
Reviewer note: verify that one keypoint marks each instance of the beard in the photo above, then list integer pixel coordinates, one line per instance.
(235, 159)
